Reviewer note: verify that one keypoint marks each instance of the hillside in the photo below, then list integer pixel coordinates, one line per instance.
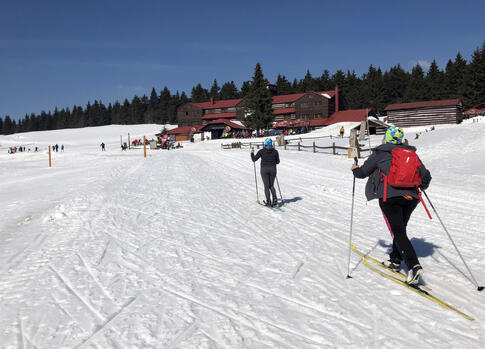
(111, 250)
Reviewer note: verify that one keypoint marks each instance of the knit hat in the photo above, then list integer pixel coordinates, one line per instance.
(394, 135)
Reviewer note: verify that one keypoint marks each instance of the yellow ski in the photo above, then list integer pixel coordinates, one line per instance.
(416, 289)
(375, 261)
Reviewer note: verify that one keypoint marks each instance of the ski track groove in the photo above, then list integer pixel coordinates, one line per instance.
(71, 290)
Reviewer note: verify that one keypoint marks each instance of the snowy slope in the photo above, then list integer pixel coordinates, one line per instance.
(111, 250)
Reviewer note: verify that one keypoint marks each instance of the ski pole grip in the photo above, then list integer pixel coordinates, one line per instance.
(356, 161)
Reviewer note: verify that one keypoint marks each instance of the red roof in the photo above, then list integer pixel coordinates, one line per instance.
(287, 98)
(231, 103)
(226, 122)
(424, 104)
(352, 115)
(185, 130)
(283, 111)
(296, 96)
(480, 106)
(227, 103)
(219, 116)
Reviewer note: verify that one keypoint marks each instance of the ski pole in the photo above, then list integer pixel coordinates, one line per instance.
(479, 288)
(256, 181)
(351, 222)
(281, 196)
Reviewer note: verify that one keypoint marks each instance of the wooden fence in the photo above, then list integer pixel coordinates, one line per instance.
(333, 149)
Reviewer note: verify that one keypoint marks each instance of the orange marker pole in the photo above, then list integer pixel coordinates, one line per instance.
(50, 162)
(144, 147)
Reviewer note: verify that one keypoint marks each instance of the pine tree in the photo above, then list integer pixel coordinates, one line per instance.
(416, 90)
(229, 91)
(116, 116)
(172, 108)
(338, 79)
(245, 87)
(199, 94)
(8, 126)
(1, 126)
(434, 81)
(461, 71)
(125, 112)
(283, 86)
(308, 83)
(352, 91)
(476, 78)
(373, 85)
(214, 91)
(258, 102)
(136, 111)
(324, 83)
(395, 84)
(151, 113)
(163, 106)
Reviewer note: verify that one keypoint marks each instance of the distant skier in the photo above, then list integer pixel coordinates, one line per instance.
(342, 131)
(269, 159)
(62, 148)
(390, 161)
(102, 147)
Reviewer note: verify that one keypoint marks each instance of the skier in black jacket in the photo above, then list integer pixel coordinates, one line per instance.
(399, 203)
(269, 159)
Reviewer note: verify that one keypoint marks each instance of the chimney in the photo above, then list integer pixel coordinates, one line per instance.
(212, 100)
(336, 98)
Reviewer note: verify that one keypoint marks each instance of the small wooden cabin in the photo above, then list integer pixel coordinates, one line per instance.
(425, 113)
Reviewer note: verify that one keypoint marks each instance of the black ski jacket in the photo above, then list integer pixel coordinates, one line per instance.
(269, 157)
(379, 161)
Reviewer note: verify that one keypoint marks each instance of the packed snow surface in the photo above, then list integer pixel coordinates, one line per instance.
(114, 250)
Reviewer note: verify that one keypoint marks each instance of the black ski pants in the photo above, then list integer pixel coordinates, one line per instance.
(397, 211)
(268, 174)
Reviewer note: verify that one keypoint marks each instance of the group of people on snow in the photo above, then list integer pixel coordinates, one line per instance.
(56, 148)
(397, 202)
(20, 149)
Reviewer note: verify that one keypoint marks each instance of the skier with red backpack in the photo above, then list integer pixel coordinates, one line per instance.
(396, 174)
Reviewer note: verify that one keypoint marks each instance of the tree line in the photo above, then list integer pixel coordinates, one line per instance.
(374, 89)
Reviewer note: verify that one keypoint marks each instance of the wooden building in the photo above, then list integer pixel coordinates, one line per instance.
(425, 113)
(199, 114)
(307, 106)
(185, 133)
(479, 109)
(218, 128)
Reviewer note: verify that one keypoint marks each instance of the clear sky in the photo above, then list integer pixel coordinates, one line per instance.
(61, 53)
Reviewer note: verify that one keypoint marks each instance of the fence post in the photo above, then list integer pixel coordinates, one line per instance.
(298, 146)
(285, 143)
(333, 148)
(314, 150)
(144, 147)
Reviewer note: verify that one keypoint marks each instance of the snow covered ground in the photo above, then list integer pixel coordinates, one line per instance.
(111, 250)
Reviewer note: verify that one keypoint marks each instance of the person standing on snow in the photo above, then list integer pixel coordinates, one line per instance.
(269, 159)
(396, 203)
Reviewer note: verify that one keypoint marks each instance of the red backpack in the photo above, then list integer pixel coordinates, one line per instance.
(404, 170)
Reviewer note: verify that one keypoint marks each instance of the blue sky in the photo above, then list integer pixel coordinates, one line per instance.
(61, 53)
